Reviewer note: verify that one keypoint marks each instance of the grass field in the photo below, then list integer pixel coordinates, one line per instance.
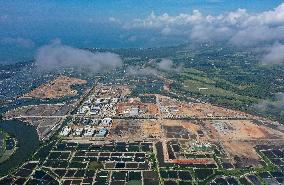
(215, 89)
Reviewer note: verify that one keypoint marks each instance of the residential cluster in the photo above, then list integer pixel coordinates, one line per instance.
(88, 128)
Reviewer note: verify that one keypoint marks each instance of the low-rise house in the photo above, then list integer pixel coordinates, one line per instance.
(106, 122)
(66, 131)
(89, 131)
(78, 132)
(102, 132)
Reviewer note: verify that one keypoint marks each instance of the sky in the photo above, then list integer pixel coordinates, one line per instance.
(26, 26)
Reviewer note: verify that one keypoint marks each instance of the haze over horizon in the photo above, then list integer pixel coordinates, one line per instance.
(27, 26)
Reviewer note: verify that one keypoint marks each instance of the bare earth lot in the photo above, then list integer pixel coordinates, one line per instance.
(59, 87)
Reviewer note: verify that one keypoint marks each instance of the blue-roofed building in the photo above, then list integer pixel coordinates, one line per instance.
(102, 132)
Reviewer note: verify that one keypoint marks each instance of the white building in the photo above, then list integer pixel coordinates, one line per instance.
(95, 110)
(66, 131)
(114, 100)
(106, 122)
(84, 109)
(78, 132)
(89, 131)
(134, 111)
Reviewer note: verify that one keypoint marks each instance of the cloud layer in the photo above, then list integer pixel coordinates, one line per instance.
(238, 27)
(56, 56)
(138, 71)
(274, 54)
(267, 105)
(165, 65)
(168, 66)
(22, 42)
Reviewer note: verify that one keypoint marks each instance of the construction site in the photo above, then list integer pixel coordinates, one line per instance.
(111, 135)
(57, 88)
(190, 133)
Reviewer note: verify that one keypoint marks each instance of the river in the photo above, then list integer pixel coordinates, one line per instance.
(28, 142)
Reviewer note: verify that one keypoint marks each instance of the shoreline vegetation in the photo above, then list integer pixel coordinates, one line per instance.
(27, 143)
(8, 146)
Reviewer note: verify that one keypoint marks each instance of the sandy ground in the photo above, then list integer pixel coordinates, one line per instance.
(207, 110)
(241, 149)
(240, 137)
(135, 130)
(152, 128)
(192, 127)
(247, 130)
(59, 87)
(199, 109)
(151, 109)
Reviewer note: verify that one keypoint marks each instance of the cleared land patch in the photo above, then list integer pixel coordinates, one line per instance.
(57, 88)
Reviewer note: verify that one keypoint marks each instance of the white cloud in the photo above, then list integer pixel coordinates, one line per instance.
(56, 55)
(22, 42)
(258, 34)
(278, 104)
(138, 71)
(168, 66)
(238, 27)
(154, 21)
(165, 65)
(3, 18)
(166, 31)
(214, 1)
(112, 19)
(274, 55)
